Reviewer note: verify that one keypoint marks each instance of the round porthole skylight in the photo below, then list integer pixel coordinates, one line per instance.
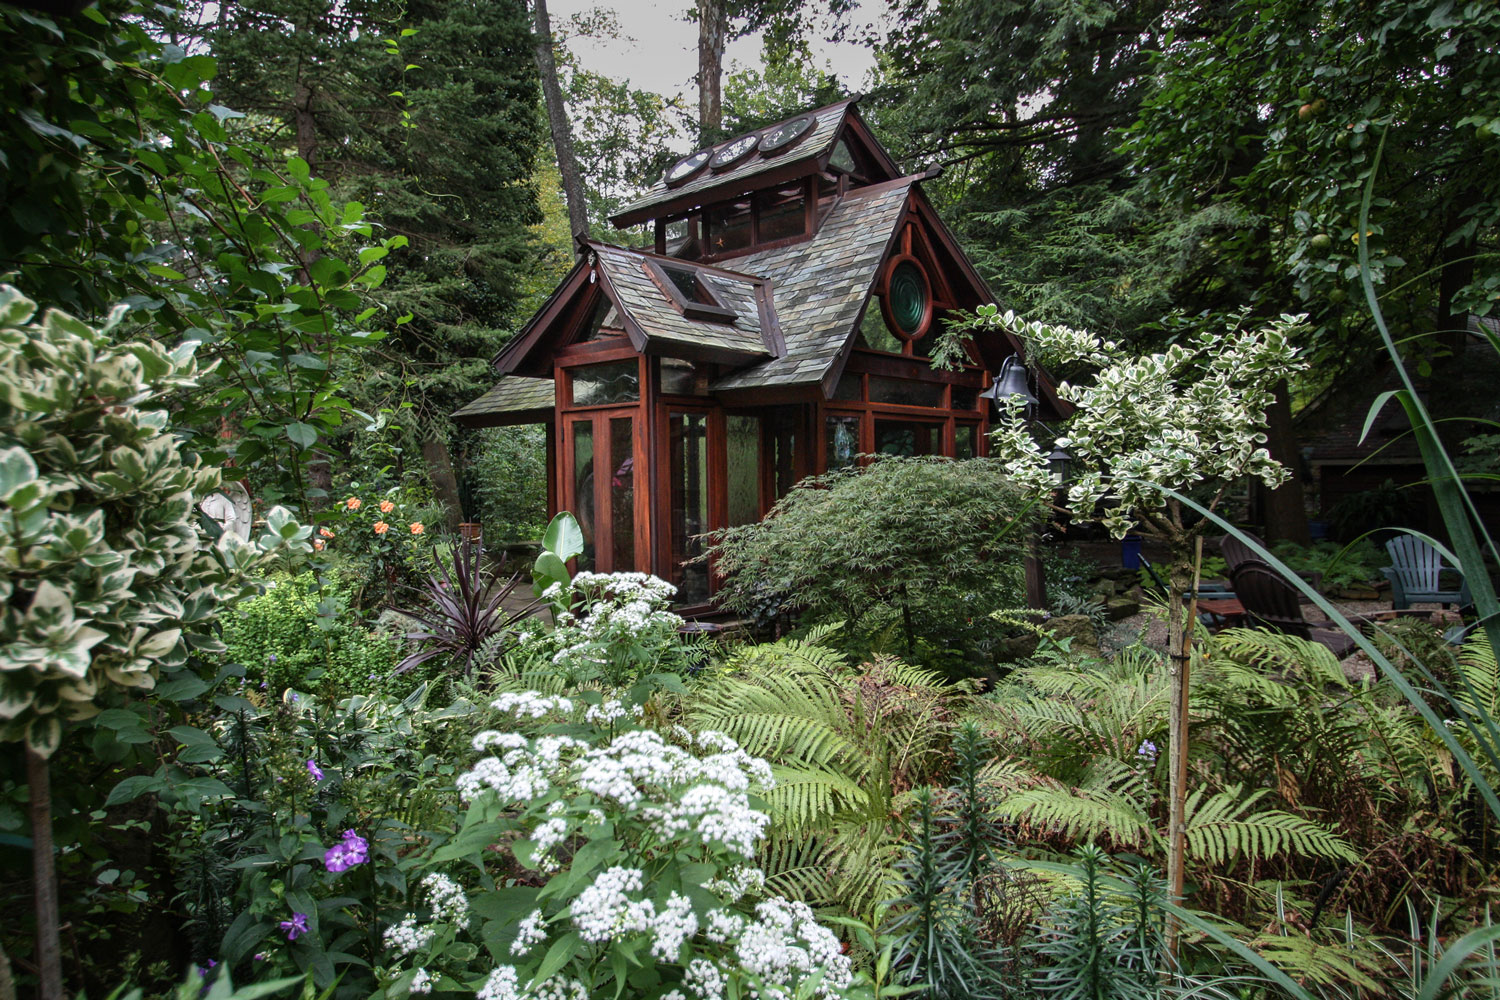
(785, 136)
(685, 168)
(735, 151)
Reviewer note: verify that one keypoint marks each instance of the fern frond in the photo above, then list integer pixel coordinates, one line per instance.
(1222, 827)
(1277, 652)
(1081, 813)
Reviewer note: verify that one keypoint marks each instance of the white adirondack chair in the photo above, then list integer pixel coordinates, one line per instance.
(1414, 574)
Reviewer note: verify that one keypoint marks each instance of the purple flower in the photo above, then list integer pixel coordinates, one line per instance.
(347, 853)
(295, 927)
(1147, 749)
(259, 956)
(314, 770)
(203, 970)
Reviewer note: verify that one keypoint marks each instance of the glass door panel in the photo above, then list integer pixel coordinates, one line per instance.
(687, 470)
(582, 432)
(742, 441)
(621, 493)
(841, 440)
(965, 441)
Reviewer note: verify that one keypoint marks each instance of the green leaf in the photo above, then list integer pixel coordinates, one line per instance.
(564, 536)
(557, 956)
(302, 435)
(133, 788)
(16, 470)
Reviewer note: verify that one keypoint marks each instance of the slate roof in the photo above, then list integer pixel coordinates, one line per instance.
(819, 286)
(667, 331)
(512, 394)
(742, 177)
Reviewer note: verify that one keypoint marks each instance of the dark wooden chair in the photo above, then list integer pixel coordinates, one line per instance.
(1236, 552)
(1271, 602)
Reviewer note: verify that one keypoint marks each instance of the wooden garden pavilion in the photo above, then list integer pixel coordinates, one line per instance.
(778, 328)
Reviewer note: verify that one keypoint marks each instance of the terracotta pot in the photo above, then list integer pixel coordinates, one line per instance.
(471, 531)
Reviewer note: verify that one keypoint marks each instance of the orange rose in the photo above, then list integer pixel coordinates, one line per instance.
(381, 527)
(416, 528)
(352, 503)
(325, 532)
(386, 506)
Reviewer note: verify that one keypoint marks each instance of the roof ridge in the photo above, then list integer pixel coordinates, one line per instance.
(676, 261)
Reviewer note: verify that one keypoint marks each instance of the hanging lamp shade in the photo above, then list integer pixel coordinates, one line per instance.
(1010, 382)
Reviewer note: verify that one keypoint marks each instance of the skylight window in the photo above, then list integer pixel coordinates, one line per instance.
(689, 292)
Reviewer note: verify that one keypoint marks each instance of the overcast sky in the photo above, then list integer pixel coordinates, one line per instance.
(661, 53)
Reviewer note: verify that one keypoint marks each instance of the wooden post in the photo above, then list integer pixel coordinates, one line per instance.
(1180, 651)
(44, 878)
(1036, 583)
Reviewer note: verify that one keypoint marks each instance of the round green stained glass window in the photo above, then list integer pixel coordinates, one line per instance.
(909, 302)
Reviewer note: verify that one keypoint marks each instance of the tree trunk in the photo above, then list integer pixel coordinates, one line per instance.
(1183, 579)
(1036, 580)
(1283, 508)
(304, 123)
(713, 35)
(557, 121)
(44, 878)
(444, 483)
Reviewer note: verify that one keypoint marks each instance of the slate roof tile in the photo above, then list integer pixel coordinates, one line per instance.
(511, 394)
(819, 286)
(666, 328)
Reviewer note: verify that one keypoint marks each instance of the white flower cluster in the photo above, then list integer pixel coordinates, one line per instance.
(620, 609)
(694, 789)
(704, 980)
(782, 946)
(530, 704)
(785, 944)
(611, 711)
(530, 931)
(626, 586)
(605, 910)
(447, 898)
(558, 988)
(525, 771)
(421, 982)
(407, 937)
(502, 984)
(742, 881)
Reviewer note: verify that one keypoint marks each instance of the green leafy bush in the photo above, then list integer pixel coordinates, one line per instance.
(293, 636)
(927, 546)
(289, 823)
(105, 580)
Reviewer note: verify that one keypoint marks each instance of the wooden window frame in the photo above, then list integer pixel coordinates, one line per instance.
(757, 199)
